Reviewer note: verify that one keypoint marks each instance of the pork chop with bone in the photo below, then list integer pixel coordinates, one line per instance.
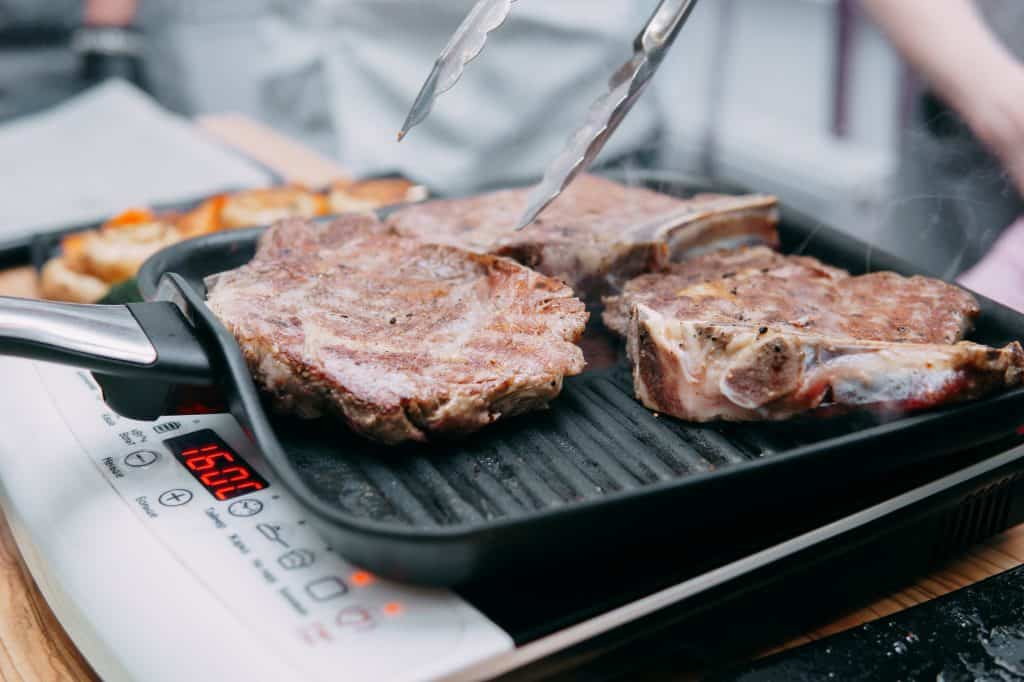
(598, 233)
(791, 334)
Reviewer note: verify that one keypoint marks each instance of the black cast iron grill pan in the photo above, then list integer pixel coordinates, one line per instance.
(596, 477)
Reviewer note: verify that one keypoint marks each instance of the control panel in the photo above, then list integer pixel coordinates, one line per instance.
(198, 484)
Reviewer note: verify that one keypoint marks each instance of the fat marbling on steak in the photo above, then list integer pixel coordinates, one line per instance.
(772, 342)
(598, 233)
(404, 340)
(661, 288)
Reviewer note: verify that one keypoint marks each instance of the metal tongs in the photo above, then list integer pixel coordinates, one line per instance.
(604, 116)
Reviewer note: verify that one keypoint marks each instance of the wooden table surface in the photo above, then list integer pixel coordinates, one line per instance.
(34, 646)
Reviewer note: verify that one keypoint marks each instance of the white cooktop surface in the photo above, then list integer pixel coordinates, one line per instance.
(155, 578)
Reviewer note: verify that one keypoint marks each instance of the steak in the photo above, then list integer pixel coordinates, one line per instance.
(597, 234)
(704, 372)
(402, 339)
(772, 342)
(661, 289)
(800, 294)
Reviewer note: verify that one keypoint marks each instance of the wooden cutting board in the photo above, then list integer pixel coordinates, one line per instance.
(34, 646)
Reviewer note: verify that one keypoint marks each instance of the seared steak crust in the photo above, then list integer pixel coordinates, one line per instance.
(800, 294)
(661, 289)
(404, 340)
(597, 234)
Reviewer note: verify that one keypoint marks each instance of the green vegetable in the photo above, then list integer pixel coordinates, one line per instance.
(123, 292)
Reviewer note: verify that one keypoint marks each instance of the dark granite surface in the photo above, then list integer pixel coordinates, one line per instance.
(976, 633)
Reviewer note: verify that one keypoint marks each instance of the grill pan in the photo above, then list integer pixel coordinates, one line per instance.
(595, 478)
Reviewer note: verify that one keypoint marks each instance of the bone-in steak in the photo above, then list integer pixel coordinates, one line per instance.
(662, 289)
(402, 339)
(774, 341)
(598, 233)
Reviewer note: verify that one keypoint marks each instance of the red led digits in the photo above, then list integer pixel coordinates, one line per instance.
(200, 462)
(215, 465)
(228, 491)
(219, 477)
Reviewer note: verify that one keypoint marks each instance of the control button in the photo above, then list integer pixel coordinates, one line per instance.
(245, 508)
(296, 558)
(141, 458)
(355, 617)
(272, 533)
(175, 497)
(326, 589)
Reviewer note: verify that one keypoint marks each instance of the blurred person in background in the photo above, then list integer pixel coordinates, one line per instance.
(37, 67)
(962, 156)
(52, 49)
(342, 74)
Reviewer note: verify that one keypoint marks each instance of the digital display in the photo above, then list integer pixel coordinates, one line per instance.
(215, 465)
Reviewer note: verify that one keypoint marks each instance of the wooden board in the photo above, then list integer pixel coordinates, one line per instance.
(293, 162)
(33, 646)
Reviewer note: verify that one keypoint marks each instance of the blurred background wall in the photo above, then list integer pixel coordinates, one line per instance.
(801, 98)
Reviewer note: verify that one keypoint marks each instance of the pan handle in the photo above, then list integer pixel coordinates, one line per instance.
(145, 340)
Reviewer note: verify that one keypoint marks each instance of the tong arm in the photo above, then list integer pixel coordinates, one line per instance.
(663, 27)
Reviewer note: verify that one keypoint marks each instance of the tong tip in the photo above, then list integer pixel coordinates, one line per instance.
(423, 104)
(531, 213)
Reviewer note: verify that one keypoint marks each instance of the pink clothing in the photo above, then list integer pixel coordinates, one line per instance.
(1000, 274)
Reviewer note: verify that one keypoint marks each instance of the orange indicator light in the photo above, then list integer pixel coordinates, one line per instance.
(361, 578)
(392, 608)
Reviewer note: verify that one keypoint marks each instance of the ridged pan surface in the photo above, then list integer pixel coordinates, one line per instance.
(597, 473)
(596, 441)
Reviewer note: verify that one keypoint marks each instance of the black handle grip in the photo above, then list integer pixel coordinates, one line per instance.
(142, 354)
(180, 382)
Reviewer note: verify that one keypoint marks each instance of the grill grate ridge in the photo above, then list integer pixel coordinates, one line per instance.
(357, 494)
(524, 476)
(651, 431)
(403, 491)
(478, 486)
(713, 446)
(567, 450)
(444, 497)
(493, 464)
(596, 440)
(620, 440)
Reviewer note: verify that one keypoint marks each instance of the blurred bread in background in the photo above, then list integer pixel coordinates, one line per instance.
(265, 206)
(368, 195)
(91, 262)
